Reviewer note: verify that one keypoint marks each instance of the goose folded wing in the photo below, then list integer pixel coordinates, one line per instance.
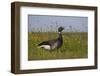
(44, 43)
(50, 42)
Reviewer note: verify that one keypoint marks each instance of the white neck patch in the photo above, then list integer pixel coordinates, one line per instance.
(59, 32)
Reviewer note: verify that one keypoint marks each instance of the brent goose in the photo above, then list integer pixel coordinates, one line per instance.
(54, 43)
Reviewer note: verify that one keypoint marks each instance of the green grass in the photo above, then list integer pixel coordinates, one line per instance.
(74, 46)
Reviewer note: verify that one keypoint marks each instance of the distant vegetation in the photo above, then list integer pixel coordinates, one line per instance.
(74, 46)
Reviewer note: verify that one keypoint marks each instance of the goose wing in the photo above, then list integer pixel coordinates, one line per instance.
(50, 42)
(44, 43)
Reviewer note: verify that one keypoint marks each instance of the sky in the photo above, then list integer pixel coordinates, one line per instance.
(45, 23)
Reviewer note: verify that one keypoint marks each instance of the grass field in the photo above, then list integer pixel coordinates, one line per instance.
(74, 46)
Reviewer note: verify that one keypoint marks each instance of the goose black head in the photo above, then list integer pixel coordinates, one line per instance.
(60, 29)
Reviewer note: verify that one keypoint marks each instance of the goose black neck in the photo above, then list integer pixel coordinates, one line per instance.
(60, 35)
